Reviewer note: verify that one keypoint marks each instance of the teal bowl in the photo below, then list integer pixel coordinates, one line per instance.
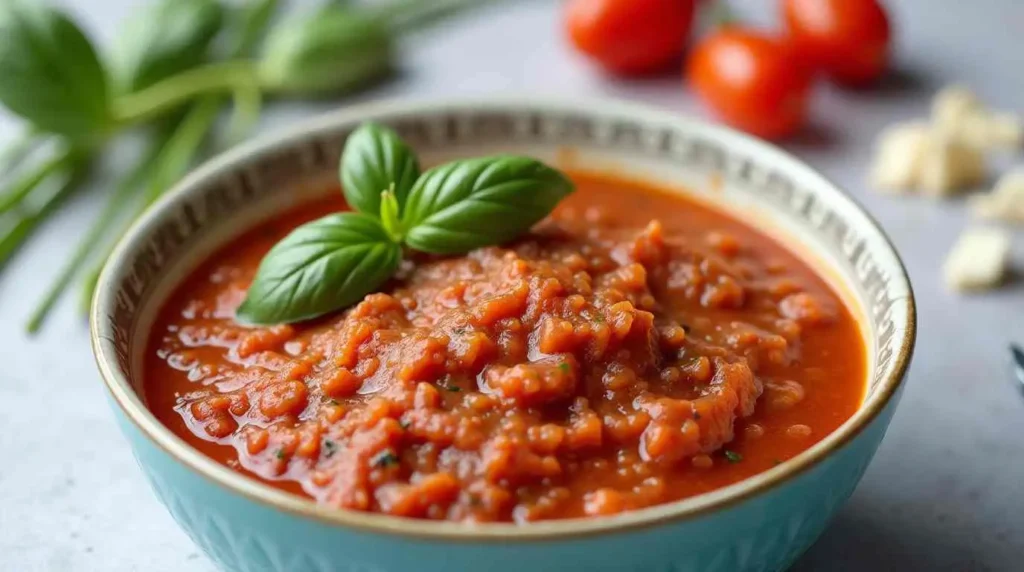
(762, 523)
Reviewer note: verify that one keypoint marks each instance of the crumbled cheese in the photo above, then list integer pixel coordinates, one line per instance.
(956, 112)
(978, 260)
(951, 105)
(914, 156)
(1005, 202)
(949, 165)
(898, 154)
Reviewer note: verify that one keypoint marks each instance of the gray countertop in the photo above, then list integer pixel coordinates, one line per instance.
(945, 492)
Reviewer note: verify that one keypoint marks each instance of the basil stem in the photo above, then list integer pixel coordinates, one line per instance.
(410, 15)
(30, 180)
(107, 218)
(321, 266)
(218, 77)
(250, 25)
(389, 215)
(174, 159)
(73, 174)
(19, 151)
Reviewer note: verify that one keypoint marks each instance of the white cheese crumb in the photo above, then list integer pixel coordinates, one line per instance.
(914, 156)
(957, 113)
(978, 260)
(1005, 202)
(949, 165)
(898, 154)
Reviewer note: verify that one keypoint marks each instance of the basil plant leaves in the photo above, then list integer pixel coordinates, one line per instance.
(333, 262)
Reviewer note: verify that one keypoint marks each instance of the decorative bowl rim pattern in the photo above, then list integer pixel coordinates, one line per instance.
(138, 414)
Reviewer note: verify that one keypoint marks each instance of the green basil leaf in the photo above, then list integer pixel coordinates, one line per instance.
(320, 267)
(166, 38)
(49, 72)
(331, 51)
(467, 204)
(374, 159)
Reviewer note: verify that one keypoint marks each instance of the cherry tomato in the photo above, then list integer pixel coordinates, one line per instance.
(753, 81)
(847, 39)
(629, 37)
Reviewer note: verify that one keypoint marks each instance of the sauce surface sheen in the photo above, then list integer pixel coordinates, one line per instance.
(636, 348)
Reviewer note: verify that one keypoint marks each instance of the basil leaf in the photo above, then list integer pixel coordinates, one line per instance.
(168, 37)
(49, 72)
(321, 266)
(331, 51)
(374, 159)
(467, 204)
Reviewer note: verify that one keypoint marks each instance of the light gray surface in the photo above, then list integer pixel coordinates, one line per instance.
(946, 491)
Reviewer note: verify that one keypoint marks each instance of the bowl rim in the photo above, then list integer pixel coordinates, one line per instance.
(255, 490)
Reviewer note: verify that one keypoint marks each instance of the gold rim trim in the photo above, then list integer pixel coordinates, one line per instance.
(249, 487)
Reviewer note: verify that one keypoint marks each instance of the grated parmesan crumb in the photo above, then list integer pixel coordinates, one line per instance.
(978, 260)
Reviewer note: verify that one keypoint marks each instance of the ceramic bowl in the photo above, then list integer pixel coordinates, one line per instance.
(762, 523)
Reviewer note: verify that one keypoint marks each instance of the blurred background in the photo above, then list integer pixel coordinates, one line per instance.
(944, 491)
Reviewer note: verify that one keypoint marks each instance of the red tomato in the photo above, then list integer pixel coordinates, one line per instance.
(847, 39)
(629, 36)
(752, 81)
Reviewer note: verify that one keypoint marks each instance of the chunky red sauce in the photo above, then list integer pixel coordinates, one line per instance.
(636, 349)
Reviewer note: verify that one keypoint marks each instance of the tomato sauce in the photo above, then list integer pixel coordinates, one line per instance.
(635, 349)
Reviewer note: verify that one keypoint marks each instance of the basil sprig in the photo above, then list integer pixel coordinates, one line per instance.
(332, 262)
(50, 73)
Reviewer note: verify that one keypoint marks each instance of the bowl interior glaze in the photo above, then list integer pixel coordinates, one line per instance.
(757, 182)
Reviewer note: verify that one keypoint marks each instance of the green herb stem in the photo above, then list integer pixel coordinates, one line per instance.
(218, 77)
(174, 159)
(22, 187)
(19, 150)
(389, 215)
(74, 173)
(116, 203)
(254, 19)
(403, 16)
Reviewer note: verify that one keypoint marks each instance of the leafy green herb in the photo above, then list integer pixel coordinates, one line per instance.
(333, 401)
(732, 456)
(329, 51)
(169, 77)
(167, 38)
(321, 266)
(330, 448)
(280, 454)
(333, 262)
(385, 458)
(471, 203)
(564, 367)
(51, 75)
(375, 160)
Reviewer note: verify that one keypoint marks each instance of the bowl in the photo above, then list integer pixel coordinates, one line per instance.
(762, 523)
